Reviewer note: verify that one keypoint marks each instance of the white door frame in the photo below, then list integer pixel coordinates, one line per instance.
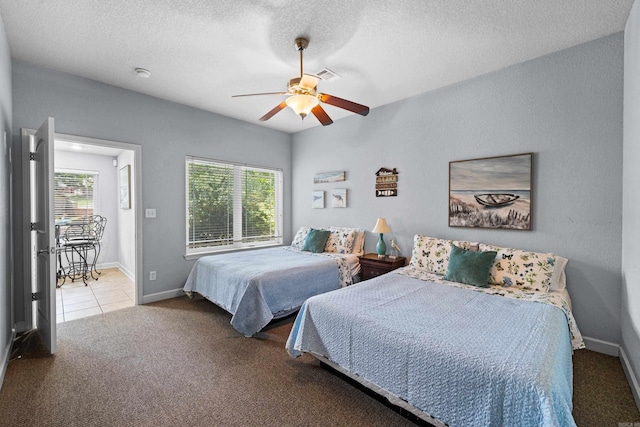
(137, 203)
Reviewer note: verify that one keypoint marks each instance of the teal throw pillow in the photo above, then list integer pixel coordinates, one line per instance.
(316, 240)
(470, 267)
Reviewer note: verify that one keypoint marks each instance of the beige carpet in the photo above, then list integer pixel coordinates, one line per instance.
(179, 363)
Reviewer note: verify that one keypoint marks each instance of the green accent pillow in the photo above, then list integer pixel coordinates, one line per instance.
(316, 240)
(470, 267)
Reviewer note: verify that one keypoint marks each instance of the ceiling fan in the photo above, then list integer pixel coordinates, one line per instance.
(304, 99)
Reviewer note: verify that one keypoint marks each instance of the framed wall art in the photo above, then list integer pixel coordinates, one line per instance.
(386, 182)
(317, 200)
(125, 187)
(329, 177)
(491, 192)
(339, 198)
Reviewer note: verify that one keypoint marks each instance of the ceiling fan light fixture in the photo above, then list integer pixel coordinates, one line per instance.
(302, 104)
(304, 97)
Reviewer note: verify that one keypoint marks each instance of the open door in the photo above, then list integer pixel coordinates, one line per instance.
(44, 229)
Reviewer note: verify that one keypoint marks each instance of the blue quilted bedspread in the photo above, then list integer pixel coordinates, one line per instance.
(263, 284)
(465, 358)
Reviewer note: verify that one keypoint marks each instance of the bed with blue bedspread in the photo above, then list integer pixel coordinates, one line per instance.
(260, 285)
(452, 353)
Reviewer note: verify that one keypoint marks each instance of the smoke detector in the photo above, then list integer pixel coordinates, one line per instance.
(144, 73)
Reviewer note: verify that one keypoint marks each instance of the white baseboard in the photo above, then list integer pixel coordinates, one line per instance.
(146, 299)
(615, 350)
(5, 357)
(106, 265)
(600, 346)
(126, 272)
(631, 377)
(117, 265)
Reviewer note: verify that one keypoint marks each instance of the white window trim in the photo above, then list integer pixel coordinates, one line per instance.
(191, 254)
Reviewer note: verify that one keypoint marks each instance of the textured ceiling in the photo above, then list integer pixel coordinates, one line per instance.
(201, 52)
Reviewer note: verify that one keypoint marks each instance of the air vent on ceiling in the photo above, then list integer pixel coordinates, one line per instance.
(328, 75)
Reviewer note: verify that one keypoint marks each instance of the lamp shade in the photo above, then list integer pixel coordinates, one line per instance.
(381, 226)
(302, 104)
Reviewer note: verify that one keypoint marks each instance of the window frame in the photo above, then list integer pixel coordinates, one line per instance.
(237, 244)
(95, 188)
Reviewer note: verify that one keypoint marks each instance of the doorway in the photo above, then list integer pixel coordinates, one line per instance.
(87, 182)
(127, 221)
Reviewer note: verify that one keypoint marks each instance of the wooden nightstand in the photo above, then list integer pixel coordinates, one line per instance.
(372, 266)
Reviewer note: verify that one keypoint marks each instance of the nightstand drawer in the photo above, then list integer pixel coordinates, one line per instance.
(371, 266)
(369, 271)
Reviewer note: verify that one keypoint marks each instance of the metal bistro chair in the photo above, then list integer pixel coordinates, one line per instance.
(81, 245)
(61, 273)
(96, 226)
(75, 245)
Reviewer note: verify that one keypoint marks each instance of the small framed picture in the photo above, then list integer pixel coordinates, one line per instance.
(339, 198)
(317, 200)
(125, 187)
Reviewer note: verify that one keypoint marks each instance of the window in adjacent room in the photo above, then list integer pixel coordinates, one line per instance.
(231, 206)
(76, 195)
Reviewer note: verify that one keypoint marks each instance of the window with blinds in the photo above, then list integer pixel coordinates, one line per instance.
(76, 195)
(232, 206)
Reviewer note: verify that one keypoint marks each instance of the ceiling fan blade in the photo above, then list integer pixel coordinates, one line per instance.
(273, 112)
(263, 93)
(321, 115)
(363, 110)
(309, 81)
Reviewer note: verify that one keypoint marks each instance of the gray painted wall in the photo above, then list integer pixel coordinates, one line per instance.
(107, 191)
(6, 276)
(167, 132)
(630, 317)
(565, 107)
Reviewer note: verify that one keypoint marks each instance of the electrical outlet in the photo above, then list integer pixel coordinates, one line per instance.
(150, 213)
(152, 275)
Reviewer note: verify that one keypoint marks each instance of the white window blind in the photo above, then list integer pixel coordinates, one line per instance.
(76, 195)
(232, 206)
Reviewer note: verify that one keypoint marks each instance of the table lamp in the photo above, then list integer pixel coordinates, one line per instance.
(381, 227)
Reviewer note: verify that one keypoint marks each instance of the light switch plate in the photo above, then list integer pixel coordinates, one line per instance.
(149, 213)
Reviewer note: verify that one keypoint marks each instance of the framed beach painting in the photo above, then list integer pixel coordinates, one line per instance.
(329, 177)
(491, 192)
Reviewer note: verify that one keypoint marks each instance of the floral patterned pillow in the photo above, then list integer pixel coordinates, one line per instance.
(432, 254)
(340, 240)
(300, 237)
(522, 269)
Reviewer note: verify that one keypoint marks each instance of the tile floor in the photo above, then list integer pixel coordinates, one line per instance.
(112, 291)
